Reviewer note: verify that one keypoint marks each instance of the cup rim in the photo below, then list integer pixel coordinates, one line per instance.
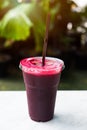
(26, 69)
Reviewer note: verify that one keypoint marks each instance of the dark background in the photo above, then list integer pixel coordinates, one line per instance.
(67, 41)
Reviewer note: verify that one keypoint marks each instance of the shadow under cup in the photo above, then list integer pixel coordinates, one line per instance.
(41, 91)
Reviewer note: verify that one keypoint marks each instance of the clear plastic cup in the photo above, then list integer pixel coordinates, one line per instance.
(41, 84)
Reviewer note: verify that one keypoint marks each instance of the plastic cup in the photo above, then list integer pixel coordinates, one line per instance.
(41, 84)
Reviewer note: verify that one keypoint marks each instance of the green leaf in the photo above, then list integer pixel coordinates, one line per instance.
(37, 15)
(15, 25)
(34, 11)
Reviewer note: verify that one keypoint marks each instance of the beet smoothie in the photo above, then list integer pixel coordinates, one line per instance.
(41, 84)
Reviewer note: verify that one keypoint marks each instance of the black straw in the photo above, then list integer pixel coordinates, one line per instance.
(45, 39)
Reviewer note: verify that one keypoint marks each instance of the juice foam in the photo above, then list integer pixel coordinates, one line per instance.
(34, 65)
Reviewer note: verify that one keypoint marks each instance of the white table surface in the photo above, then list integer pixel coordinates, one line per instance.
(70, 112)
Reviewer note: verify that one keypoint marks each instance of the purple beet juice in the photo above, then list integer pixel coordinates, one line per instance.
(41, 84)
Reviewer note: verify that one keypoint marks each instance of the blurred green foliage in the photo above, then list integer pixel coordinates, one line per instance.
(19, 20)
